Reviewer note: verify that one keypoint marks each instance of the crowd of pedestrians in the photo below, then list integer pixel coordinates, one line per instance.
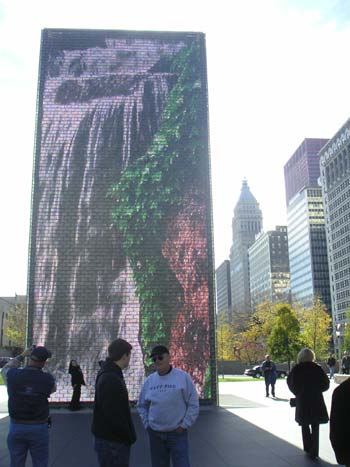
(168, 406)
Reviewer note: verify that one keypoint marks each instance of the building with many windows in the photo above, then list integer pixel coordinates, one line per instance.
(223, 291)
(246, 224)
(335, 180)
(307, 246)
(303, 168)
(269, 267)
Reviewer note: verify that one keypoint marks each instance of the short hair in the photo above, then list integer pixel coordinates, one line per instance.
(306, 355)
(118, 348)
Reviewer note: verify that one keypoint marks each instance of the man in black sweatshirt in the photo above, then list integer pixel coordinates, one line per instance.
(112, 424)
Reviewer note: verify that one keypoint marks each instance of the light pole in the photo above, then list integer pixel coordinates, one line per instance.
(338, 340)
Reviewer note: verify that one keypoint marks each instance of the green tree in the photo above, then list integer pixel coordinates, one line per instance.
(226, 342)
(346, 339)
(16, 324)
(284, 341)
(263, 320)
(316, 330)
(252, 340)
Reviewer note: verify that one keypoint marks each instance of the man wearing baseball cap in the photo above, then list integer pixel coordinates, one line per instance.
(168, 406)
(29, 389)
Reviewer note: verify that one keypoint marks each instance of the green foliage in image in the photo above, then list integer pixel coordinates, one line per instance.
(237, 379)
(226, 339)
(346, 340)
(152, 190)
(207, 383)
(284, 342)
(15, 328)
(316, 328)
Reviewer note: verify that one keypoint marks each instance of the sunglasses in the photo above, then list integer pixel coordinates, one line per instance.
(157, 357)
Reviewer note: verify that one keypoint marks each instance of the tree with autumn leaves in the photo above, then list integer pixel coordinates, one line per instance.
(16, 323)
(278, 329)
(316, 328)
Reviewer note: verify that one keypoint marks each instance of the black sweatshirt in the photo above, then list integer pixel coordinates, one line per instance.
(112, 418)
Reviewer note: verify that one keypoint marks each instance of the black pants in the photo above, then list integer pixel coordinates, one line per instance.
(267, 384)
(345, 371)
(75, 402)
(310, 438)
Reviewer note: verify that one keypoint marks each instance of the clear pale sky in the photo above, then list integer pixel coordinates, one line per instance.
(278, 72)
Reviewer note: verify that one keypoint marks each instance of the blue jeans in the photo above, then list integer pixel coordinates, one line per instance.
(331, 372)
(169, 445)
(33, 438)
(111, 453)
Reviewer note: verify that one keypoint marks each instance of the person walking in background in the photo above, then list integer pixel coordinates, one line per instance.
(307, 381)
(331, 365)
(270, 374)
(168, 407)
(29, 389)
(345, 363)
(112, 425)
(339, 423)
(77, 379)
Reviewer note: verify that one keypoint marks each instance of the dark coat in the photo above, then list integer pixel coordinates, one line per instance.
(112, 418)
(76, 375)
(269, 371)
(339, 422)
(307, 381)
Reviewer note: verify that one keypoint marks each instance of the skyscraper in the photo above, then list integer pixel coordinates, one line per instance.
(335, 179)
(269, 267)
(223, 291)
(303, 168)
(307, 248)
(246, 224)
(308, 261)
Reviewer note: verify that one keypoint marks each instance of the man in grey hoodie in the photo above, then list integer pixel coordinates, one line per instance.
(168, 406)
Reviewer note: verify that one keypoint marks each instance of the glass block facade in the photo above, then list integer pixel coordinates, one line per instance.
(121, 230)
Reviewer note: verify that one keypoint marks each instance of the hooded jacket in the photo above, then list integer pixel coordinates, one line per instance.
(112, 417)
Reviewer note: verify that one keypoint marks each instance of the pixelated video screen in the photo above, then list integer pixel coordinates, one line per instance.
(121, 242)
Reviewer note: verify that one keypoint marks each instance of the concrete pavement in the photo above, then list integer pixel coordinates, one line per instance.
(248, 430)
(248, 401)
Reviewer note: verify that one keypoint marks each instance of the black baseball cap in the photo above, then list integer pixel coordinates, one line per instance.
(159, 350)
(40, 354)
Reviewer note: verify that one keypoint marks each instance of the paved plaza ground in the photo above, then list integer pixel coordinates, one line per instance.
(247, 430)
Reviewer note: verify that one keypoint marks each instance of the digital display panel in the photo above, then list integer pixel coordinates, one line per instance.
(121, 229)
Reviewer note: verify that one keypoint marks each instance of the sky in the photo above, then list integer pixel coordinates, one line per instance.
(277, 73)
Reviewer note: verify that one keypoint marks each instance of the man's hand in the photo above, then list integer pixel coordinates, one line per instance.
(27, 351)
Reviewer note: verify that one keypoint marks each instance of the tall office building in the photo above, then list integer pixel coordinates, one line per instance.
(269, 267)
(303, 168)
(246, 224)
(307, 248)
(335, 180)
(223, 291)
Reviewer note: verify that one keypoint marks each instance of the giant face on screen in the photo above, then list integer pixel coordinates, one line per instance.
(121, 215)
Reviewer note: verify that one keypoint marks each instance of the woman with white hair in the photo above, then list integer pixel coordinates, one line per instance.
(307, 381)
